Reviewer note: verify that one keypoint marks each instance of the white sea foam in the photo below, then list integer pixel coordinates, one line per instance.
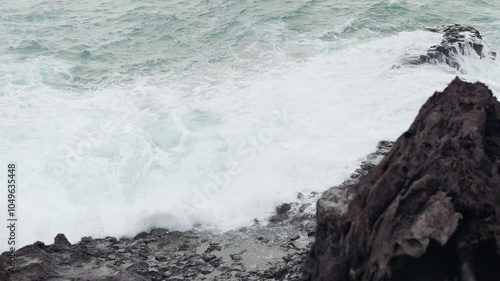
(120, 159)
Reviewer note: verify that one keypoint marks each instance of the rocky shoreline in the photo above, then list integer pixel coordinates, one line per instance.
(271, 250)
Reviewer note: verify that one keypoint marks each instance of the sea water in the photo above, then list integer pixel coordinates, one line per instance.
(123, 115)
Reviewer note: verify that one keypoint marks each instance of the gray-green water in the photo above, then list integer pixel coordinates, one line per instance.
(115, 41)
(124, 115)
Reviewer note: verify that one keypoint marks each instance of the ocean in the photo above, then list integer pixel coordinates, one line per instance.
(124, 115)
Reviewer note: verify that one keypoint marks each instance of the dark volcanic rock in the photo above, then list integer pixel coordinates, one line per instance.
(457, 40)
(281, 213)
(431, 209)
(372, 159)
(60, 241)
(4, 275)
(66, 263)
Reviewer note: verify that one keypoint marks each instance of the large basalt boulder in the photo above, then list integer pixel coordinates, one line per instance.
(457, 41)
(430, 211)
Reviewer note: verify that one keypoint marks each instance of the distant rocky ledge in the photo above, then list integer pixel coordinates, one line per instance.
(457, 40)
(430, 210)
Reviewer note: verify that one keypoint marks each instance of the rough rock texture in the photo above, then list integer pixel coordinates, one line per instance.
(431, 209)
(40, 262)
(272, 251)
(4, 275)
(169, 255)
(457, 40)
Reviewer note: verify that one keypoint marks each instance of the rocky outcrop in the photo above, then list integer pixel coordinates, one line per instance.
(431, 209)
(457, 41)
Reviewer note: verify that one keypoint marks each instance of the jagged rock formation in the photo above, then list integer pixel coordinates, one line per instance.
(457, 40)
(431, 209)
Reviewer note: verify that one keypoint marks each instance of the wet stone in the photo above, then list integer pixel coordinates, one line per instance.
(86, 239)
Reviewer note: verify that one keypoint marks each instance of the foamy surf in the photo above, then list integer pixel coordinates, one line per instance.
(161, 152)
